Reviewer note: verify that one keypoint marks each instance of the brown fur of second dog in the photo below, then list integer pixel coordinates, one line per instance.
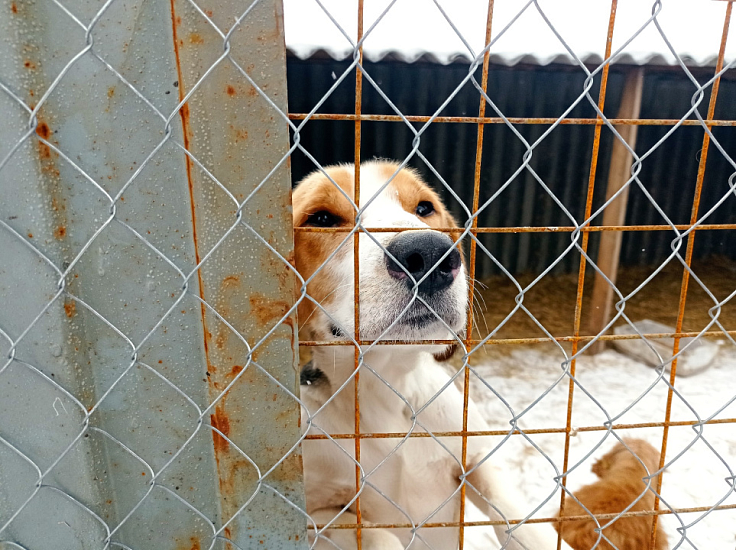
(620, 484)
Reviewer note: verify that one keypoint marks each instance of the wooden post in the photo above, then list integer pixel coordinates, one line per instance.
(619, 173)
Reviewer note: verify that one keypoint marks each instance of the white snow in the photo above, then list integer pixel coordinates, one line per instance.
(412, 28)
(695, 476)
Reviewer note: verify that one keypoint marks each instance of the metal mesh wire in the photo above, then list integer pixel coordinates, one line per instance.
(54, 422)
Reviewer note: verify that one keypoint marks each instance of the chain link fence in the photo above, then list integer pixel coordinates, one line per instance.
(149, 388)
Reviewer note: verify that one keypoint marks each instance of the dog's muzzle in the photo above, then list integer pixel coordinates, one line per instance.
(419, 253)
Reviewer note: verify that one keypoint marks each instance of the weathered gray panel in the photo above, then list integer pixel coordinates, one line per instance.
(104, 405)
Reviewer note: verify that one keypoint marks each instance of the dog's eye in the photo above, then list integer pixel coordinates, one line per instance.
(322, 219)
(424, 209)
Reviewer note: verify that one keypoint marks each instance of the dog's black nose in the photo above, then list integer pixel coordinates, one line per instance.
(418, 252)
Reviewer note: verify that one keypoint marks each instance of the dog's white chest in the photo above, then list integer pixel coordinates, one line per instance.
(407, 479)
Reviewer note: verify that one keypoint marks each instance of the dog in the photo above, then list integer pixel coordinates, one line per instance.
(402, 388)
(621, 483)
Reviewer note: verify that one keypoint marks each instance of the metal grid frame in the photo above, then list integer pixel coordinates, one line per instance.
(580, 342)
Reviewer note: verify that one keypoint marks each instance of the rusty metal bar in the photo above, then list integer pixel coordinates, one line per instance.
(356, 267)
(513, 341)
(531, 431)
(528, 229)
(642, 513)
(688, 259)
(471, 267)
(513, 120)
(581, 271)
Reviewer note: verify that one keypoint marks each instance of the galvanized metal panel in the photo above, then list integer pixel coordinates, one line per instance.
(104, 415)
(243, 279)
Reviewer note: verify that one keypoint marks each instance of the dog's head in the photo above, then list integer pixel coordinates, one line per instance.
(391, 305)
(620, 458)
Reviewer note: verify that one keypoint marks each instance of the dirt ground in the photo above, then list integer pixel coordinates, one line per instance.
(552, 300)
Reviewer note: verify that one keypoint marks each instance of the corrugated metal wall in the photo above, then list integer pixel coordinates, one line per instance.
(562, 159)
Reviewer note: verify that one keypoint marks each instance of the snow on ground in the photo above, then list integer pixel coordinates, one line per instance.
(696, 475)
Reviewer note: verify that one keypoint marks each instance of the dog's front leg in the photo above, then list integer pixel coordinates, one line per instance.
(345, 539)
(490, 482)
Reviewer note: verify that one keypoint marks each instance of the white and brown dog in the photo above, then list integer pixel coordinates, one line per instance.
(402, 388)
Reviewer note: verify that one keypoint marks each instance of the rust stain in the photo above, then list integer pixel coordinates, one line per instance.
(232, 476)
(237, 369)
(49, 168)
(230, 90)
(290, 259)
(284, 276)
(278, 16)
(221, 339)
(29, 64)
(265, 310)
(60, 232)
(45, 153)
(252, 92)
(70, 308)
(192, 544)
(292, 468)
(220, 421)
(111, 91)
(13, 7)
(195, 38)
(187, 134)
(43, 130)
(241, 135)
(184, 113)
(30, 235)
(230, 280)
(264, 348)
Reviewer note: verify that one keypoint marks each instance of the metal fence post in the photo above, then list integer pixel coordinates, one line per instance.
(244, 138)
(149, 349)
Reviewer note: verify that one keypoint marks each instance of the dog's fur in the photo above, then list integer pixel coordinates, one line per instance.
(402, 388)
(621, 483)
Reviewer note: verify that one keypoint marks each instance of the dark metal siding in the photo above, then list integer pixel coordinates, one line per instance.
(562, 160)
